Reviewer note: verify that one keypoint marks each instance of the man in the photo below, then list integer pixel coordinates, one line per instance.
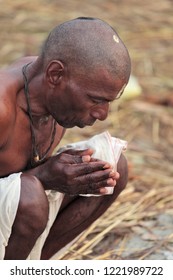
(82, 67)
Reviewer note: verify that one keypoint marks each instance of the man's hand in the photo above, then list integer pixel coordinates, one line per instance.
(75, 172)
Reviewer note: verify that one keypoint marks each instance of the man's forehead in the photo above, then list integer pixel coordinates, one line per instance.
(103, 83)
(107, 93)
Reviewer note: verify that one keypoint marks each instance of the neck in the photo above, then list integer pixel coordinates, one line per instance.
(36, 157)
(33, 85)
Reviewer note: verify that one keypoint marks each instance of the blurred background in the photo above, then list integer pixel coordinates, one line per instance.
(139, 225)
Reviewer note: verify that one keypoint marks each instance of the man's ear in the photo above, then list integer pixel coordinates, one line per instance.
(54, 72)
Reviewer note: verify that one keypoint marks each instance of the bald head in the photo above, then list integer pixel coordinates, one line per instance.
(85, 44)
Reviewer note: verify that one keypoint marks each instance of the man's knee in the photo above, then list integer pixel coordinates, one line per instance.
(122, 168)
(33, 209)
(99, 205)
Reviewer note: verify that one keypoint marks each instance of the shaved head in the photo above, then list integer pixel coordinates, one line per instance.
(87, 44)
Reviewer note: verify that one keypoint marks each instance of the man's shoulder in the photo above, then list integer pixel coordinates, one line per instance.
(23, 60)
(10, 84)
(7, 115)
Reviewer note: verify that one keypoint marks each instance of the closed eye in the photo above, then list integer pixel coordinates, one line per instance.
(99, 100)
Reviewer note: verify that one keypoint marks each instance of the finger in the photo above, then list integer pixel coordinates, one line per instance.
(99, 191)
(107, 164)
(104, 191)
(82, 152)
(96, 179)
(114, 175)
(86, 158)
(69, 159)
(89, 167)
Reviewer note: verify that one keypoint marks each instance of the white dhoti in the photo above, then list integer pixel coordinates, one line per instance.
(55, 199)
(9, 201)
(105, 147)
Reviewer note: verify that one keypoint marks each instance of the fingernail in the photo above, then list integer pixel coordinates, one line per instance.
(86, 158)
(112, 173)
(103, 191)
(107, 165)
(111, 182)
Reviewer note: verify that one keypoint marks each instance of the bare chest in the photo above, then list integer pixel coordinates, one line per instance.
(18, 153)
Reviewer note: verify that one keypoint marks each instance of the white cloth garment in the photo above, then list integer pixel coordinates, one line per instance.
(55, 199)
(105, 147)
(9, 200)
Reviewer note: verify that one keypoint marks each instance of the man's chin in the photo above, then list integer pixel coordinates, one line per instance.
(82, 124)
(74, 125)
(79, 124)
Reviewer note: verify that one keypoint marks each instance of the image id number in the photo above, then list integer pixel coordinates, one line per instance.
(133, 270)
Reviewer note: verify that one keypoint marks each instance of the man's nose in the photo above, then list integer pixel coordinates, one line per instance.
(101, 112)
